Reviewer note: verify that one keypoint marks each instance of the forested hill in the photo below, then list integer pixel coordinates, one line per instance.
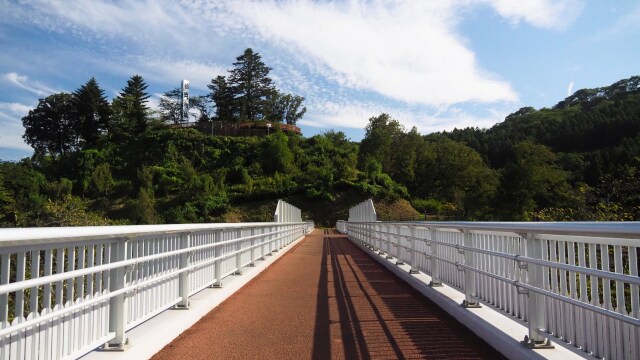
(601, 125)
(100, 162)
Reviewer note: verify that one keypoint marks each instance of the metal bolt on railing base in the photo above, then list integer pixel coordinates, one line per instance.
(389, 257)
(399, 262)
(261, 258)
(274, 250)
(413, 271)
(380, 252)
(252, 264)
(435, 284)
(115, 347)
(181, 307)
(216, 286)
(269, 254)
(238, 272)
(471, 305)
(544, 344)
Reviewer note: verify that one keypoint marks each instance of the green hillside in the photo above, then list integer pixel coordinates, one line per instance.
(101, 162)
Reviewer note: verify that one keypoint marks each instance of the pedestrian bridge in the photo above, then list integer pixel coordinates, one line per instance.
(370, 290)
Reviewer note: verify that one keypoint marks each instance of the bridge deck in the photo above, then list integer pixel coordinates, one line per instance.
(327, 299)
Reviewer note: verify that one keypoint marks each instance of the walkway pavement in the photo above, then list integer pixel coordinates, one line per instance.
(327, 299)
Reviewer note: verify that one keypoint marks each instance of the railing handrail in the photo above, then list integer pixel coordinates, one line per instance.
(31, 236)
(618, 229)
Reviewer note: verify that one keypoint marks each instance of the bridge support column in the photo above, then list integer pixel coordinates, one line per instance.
(435, 266)
(537, 318)
(185, 243)
(470, 293)
(117, 282)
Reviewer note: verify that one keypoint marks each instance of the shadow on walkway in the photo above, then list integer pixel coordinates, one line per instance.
(364, 311)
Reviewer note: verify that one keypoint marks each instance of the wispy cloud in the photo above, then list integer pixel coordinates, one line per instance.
(550, 14)
(11, 124)
(23, 82)
(570, 89)
(351, 59)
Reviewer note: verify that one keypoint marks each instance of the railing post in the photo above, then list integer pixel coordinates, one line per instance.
(412, 233)
(117, 282)
(470, 300)
(218, 263)
(183, 279)
(239, 254)
(388, 231)
(399, 260)
(253, 249)
(535, 277)
(435, 269)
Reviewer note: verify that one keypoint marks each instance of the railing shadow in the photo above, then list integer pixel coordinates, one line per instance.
(369, 313)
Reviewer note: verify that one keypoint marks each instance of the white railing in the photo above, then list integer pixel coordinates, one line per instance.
(365, 211)
(576, 282)
(66, 291)
(286, 212)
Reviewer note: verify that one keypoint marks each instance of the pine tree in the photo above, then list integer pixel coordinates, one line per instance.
(251, 85)
(92, 112)
(222, 96)
(132, 105)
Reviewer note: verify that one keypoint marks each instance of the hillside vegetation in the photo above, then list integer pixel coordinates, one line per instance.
(100, 162)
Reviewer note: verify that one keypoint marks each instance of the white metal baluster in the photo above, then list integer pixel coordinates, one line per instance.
(573, 287)
(470, 300)
(183, 278)
(238, 247)
(563, 309)
(536, 275)
(19, 342)
(635, 304)
(620, 306)
(31, 344)
(582, 331)
(435, 266)
(117, 281)
(594, 326)
(79, 297)
(609, 352)
(5, 268)
(45, 332)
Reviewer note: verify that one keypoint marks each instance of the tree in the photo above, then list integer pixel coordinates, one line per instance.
(131, 106)
(381, 140)
(251, 85)
(284, 108)
(222, 96)
(92, 112)
(50, 127)
(171, 107)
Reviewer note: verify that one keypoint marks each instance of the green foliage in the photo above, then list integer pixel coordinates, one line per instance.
(92, 112)
(576, 161)
(51, 128)
(251, 85)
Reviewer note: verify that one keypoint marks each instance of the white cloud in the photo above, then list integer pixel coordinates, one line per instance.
(551, 14)
(570, 89)
(355, 115)
(406, 51)
(338, 54)
(23, 82)
(199, 74)
(11, 124)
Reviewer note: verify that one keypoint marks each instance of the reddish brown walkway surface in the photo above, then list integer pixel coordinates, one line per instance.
(326, 299)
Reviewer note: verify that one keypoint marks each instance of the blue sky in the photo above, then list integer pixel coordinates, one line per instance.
(435, 65)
